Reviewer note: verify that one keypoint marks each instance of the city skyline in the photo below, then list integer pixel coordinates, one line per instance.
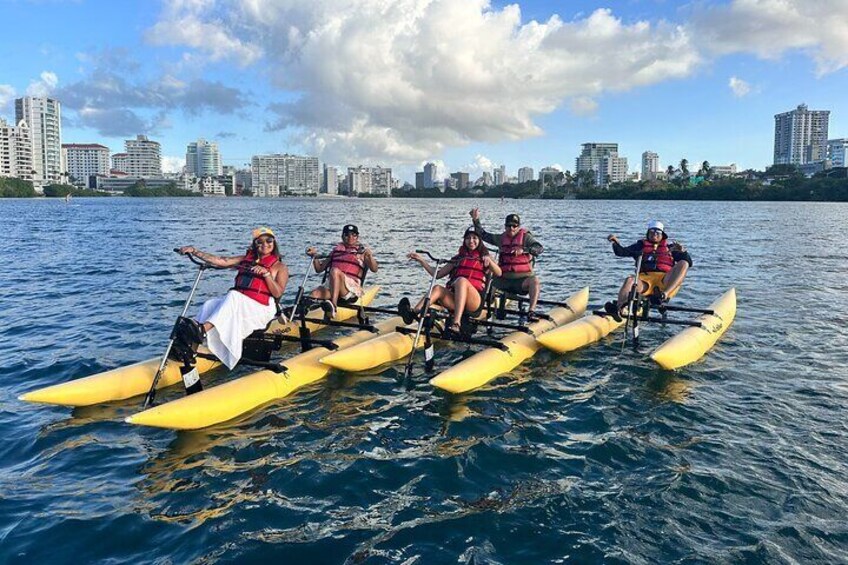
(696, 82)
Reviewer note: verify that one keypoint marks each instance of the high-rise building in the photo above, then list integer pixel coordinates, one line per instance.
(84, 160)
(15, 150)
(499, 175)
(461, 180)
(331, 180)
(525, 174)
(120, 162)
(800, 136)
(836, 152)
(431, 172)
(419, 180)
(203, 159)
(650, 165)
(274, 175)
(369, 180)
(44, 118)
(143, 158)
(603, 161)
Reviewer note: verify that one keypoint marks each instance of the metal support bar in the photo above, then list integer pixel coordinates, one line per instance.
(682, 309)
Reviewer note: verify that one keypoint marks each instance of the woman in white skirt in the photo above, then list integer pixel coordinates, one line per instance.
(251, 303)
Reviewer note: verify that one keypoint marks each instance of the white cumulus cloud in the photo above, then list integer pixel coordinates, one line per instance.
(7, 94)
(388, 81)
(739, 87)
(770, 28)
(171, 164)
(583, 106)
(399, 81)
(44, 86)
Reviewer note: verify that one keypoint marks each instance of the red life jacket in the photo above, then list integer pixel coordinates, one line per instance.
(250, 284)
(510, 263)
(348, 260)
(469, 265)
(656, 257)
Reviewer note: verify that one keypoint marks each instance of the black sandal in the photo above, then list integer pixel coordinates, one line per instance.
(405, 310)
(612, 309)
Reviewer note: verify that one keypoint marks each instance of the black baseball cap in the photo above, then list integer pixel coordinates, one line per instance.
(350, 229)
(512, 219)
(469, 231)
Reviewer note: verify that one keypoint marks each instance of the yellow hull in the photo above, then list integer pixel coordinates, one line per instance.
(134, 380)
(373, 353)
(485, 365)
(579, 333)
(240, 396)
(692, 343)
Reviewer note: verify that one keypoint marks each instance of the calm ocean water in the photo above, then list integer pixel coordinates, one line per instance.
(596, 456)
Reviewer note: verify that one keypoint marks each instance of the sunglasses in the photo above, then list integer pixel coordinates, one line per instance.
(655, 231)
(350, 234)
(510, 225)
(264, 240)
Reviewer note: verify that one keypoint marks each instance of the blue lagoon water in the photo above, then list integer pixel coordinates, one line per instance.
(595, 456)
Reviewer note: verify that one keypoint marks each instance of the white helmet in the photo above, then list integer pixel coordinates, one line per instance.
(656, 225)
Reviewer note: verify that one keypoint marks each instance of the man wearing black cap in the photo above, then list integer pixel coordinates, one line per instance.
(347, 264)
(517, 248)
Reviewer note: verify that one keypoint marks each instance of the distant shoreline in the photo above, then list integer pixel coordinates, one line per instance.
(783, 188)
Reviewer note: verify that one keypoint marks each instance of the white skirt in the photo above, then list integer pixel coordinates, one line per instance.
(235, 316)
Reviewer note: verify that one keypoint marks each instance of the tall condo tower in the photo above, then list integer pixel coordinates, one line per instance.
(603, 161)
(143, 157)
(650, 165)
(44, 118)
(203, 159)
(800, 136)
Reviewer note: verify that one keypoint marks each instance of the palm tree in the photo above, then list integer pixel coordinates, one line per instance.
(684, 167)
(706, 170)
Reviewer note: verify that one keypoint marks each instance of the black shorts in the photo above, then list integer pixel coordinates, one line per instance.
(511, 286)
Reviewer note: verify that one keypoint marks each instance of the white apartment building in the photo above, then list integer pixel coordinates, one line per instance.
(15, 150)
(370, 180)
(499, 175)
(44, 118)
(203, 159)
(836, 152)
(650, 165)
(525, 174)
(120, 162)
(208, 185)
(83, 160)
(331, 180)
(143, 158)
(275, 175)
(723, 170)
(800, 136)
(602, 159)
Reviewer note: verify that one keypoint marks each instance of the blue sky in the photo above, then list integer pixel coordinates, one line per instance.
(466, 84)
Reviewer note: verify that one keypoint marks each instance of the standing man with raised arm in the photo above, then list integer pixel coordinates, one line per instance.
(517, 248)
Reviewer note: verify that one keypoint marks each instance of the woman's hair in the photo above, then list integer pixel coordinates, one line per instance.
(484, 251)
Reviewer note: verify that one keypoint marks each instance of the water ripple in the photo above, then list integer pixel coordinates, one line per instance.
(594, 456)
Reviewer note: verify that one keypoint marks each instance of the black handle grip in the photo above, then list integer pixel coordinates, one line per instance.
(427, 253)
